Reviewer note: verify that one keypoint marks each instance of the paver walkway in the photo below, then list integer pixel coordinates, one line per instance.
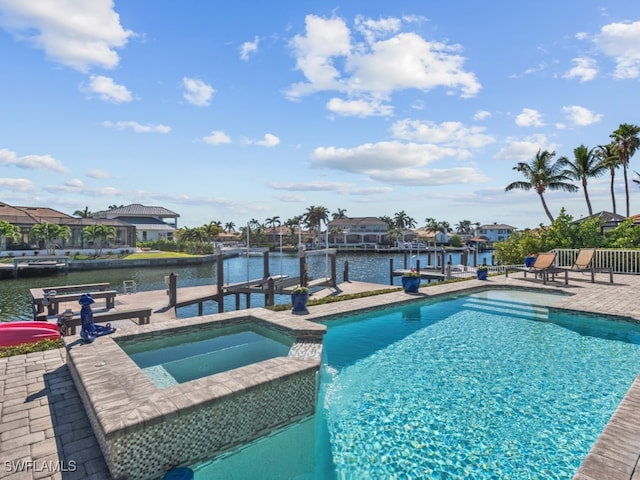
(45, 434)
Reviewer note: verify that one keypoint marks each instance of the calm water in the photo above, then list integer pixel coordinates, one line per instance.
(485, 386)
(15, 300)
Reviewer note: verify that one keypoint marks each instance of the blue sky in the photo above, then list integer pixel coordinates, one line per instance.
(233, 111)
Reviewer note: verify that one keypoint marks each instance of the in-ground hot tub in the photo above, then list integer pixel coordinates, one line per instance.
(146, 427)
(169, 360)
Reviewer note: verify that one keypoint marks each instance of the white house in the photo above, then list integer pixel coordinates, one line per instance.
(498, 232)
(152, 223)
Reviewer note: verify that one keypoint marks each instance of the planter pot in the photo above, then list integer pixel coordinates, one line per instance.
(410, 284)
(299, 303)
(482, 274)
(529, 261)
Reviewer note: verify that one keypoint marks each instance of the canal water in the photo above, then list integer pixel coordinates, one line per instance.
(15, 299)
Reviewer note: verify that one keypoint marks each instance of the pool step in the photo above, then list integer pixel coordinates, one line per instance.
(500, 307)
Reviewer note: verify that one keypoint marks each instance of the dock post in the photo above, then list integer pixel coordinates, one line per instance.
(270, 294)
(173, 290)
(220, 283)
(303, 271)
(334, 283)
(265, 264)
(391, 271)
(345, 272)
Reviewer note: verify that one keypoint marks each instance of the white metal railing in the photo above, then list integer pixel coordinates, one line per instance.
(619, 260)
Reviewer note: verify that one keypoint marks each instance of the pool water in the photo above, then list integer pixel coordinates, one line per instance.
(170, 360)
(491, 385)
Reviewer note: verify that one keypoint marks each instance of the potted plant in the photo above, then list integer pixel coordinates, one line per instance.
(530, 259)
(411, 281)
(482, 272)
(299, 299)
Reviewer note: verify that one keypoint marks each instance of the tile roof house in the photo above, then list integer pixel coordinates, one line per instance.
(152, 223)
(359, 230)
(27, 217)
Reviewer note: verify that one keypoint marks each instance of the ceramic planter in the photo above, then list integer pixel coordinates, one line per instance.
(482, 274)
(410, 284)
(299, 303)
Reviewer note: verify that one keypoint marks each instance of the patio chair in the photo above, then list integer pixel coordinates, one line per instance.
(543, 266)
(585, 262)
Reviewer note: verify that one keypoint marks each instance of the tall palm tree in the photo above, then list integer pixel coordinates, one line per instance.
(230, 227)
(403, 221)
(626, 141)
(609, 158)
(314, 217)
(584, 166)
(542, 175)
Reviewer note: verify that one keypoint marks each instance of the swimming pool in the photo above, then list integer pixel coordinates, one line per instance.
(490, 385)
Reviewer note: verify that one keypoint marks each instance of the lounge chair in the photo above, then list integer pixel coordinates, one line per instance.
(543, 266)
(585, 262)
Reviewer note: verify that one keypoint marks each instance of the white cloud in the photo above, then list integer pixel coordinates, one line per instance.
(31, 162)
(77, 34)
(584, 69)
(217, 137)
(529, 118)
(378, 156)
(341, 188)
(481, 115)
(197, 92)
(523, 150)
(453, 134)
(377, 66)
(137, 127)
(247, 48)
(17, 184)
(411, 177)
(74, 183)
(620, 42)
(98, 174)
(359, 108)
(268, 141)
(581, 116)
(107, 89)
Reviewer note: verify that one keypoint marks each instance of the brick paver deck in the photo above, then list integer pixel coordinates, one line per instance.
(45, 434)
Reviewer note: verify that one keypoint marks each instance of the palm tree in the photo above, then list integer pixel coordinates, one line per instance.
(609, 158)
(230, 227)
(99, 234)
(464, 226)
(86, 213)
(584, 167)
(272, 222)
(211, 230)
(314, 218)
(48, 232)
(541, 175)
(403, 221)
(626, 142)
(341, 213)
(8, 231)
